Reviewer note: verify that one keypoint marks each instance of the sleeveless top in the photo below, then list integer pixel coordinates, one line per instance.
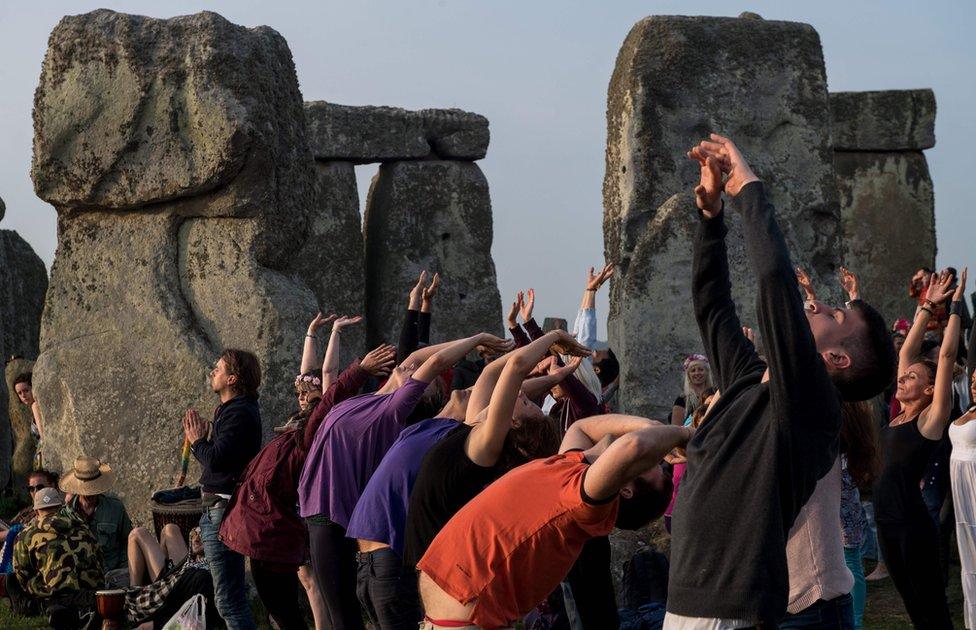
(897, 496)
(963, 439)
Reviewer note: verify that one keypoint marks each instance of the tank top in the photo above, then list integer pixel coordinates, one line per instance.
(963, 439)
(897, 496)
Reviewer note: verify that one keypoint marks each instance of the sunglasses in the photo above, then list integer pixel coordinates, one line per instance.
(36, 488)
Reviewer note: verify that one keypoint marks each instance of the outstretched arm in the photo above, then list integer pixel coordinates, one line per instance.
(933, 420)
(330, 364)
(726, 347)
(585, 326)
(309, 350)
(535, 388)
(936, 294)
(484, 444)
(451, 353)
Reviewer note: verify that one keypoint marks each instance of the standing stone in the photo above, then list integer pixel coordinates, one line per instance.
(23, 283)
(431, 215)
(331, 260)
(885, 191)
(174, 151)
(761, 83)
(554, 323)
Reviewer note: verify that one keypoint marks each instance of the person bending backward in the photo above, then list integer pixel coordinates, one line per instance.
(906, 532)
(484, 448)
(772, 434)
(345, 452)
(501, 555)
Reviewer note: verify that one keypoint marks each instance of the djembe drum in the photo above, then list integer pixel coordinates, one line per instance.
(111, 608)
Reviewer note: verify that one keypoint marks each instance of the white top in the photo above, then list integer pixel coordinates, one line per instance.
(963, 440)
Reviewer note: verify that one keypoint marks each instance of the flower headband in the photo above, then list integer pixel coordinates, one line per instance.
(692, 358)
(307, 379)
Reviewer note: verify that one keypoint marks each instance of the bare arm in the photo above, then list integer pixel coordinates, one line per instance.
(484, 444)
(593, 283)
(36, 411)
(451, 353)
(534, 388)
(933, 420)
(678, 415)
(631, 455)
(330, 364)
(938, 290)
(310, 349)
(586, 433)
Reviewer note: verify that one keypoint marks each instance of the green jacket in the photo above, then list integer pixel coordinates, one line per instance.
(111, 525)
(56, 556)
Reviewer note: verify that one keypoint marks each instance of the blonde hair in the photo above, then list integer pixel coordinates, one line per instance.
(692, 399)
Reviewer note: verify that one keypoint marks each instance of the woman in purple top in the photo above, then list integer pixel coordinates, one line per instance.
(346, 450)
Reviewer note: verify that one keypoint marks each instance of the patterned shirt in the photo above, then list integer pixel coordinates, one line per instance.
(57, 555)
(852, 517)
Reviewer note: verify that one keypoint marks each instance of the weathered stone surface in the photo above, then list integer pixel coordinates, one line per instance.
(175, 153)
(23, 283)
(331, 260)
(887, 120)
(554, 323)
(381, 134)
(888, 212)
(431, 215)
(17, 418)
(761, 83)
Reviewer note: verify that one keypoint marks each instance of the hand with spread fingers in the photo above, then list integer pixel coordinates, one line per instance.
(318, 322)
(730, 160)
(595, 280)
(490, 345)
(344, 321)
(804, 281)
(565, 343)
(380, 361)
(848, 280)
(940, 288)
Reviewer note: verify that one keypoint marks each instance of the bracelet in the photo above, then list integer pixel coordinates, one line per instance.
(926, 309)
(312, 336)
(590, 290)
(928, 303)
(956, 308)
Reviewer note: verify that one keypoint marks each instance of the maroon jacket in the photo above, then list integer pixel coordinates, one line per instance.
(261, 520)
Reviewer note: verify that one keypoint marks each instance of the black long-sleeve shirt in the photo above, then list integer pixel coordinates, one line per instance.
(235, 438)
(756, 459)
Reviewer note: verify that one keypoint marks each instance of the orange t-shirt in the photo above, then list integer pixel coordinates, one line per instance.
(511, 545)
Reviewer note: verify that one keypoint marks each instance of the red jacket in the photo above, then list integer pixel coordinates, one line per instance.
(261, 520)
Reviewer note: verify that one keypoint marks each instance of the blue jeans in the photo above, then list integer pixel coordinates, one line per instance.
(227, 569)
(831, 614)
(860, 591)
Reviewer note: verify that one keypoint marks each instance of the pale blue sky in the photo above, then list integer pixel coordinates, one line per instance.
(539, 72)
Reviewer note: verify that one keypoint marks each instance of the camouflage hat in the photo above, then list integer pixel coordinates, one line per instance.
(47, 498)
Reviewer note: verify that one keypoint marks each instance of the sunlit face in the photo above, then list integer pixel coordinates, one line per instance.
(220, 378)
(525, 411)
(831, 326)
(25, 393)
(697, 373)
(307, 398)
(915, 384)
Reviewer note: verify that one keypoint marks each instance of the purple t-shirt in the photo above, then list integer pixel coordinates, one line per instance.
(381, 513)
(349, 446)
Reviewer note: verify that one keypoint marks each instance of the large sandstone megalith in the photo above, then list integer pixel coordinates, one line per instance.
(174, 152)
(23, 283)
(885, 191)
(433, 215)
(676, 79)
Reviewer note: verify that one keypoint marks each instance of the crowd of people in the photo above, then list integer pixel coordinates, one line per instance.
(474, 483)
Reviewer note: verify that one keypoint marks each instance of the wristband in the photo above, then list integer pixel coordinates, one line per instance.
(590, 290)
(926, 309)
(956, 308)
(312, 336)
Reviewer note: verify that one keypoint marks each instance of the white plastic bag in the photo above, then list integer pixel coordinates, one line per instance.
(191, 616)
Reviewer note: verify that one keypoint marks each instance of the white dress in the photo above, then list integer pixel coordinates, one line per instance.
(962, 471)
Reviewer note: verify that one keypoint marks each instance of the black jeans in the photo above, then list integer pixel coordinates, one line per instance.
(823, 614)
(388, 590)
(334, 565)
(911, 553)
(281, 595)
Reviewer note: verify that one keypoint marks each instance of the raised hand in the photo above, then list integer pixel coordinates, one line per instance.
(595, 280)
(804, 281)
(511, 320)
(939, 288)
(344, 321)
(708, 192)
(961, 288)
(431, 291)
(417, 292)
(848, 280)
(565, 343)
(490, 345)
(750, 335)
(526, 306)
(731, 162)
(318, 322)
(563, 371)
(380, 361)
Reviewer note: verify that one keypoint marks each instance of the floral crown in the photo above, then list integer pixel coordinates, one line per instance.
(692, 358)
(307, 379)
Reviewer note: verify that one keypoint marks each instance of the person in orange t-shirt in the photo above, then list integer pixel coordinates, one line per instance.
(511, 545)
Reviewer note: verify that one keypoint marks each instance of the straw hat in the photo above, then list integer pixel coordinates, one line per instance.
(47, 498)
(88, 477)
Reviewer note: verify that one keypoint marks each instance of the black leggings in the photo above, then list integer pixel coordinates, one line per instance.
(281, 594)
(911, 553)
(415, 333)
(334, 565)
